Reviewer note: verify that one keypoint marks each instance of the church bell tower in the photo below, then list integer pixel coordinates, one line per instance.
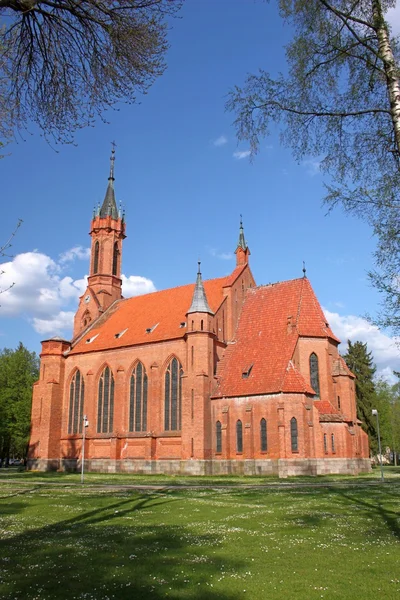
(104, 282)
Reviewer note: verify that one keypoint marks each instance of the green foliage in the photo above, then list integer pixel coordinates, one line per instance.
(19, 369)
(64, 63)
(359, 361)
(339, 102)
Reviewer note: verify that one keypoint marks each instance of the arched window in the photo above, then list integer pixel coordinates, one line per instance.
(218, 431)
(294, 435)
(138, 399)
(314, 373)
(76, 399)
(333, 443)
(96, 258)
(115, 259)
(263, 435)
(105, 406)
(173, 396)
(239, 436)
(325, 443)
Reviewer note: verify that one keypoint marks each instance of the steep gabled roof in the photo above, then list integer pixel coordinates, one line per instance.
(149, 318)
(273, 317)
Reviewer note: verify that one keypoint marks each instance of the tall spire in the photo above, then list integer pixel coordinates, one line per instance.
(109, 206)
(199, 302)
(242, 242)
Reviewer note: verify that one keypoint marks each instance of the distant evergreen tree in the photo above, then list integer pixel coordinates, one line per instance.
(19, 369)
(360, 362)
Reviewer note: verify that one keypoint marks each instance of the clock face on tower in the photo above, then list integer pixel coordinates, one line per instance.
(87, 299)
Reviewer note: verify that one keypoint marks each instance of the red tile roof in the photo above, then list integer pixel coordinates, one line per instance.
(273, 317)
(166, 309)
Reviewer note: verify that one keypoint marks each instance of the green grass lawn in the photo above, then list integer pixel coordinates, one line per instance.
(83, 542)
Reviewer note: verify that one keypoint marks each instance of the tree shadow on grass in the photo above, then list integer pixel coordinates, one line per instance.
(373, 507)
(109, 552)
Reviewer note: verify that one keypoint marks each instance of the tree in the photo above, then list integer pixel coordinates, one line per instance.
(19, 369)
(64, 63)
(340, 102)
(359, 361)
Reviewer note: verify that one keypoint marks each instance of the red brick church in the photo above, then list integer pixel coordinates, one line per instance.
(214, 377)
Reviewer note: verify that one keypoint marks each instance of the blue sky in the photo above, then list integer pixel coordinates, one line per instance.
(183, 181)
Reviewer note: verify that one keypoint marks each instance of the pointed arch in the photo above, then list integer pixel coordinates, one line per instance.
(96, 257)
(138, 398)
(314, 373)
(115, 259)
(173, 395)
(105, 401)
(76, 401)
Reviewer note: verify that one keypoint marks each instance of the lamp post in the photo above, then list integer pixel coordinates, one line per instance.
(85, 424)
(375, 413)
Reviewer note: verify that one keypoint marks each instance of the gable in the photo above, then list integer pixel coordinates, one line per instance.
(272, 320)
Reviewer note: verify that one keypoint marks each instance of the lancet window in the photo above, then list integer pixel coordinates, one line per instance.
(294, 435)
(218, 431)
(115, 259)
(263, 435)
(138, 399)
(76, 400)
(314, 373)
(239, 436)
(173, 396)
(105, 406)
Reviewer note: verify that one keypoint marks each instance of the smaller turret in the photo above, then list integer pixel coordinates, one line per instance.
(242, 251)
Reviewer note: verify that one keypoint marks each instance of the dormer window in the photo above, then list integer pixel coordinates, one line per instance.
(120, 334)
(182, 324)
(91, 339)
(246, 372)
(151, 329)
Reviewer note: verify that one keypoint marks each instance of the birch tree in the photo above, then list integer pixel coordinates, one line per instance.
(340, 103)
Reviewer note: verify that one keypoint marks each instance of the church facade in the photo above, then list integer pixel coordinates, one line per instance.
(214, 377)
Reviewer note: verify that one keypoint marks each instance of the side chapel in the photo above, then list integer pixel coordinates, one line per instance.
(215, 377)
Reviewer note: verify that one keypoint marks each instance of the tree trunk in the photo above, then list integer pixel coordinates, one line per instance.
(389, 65)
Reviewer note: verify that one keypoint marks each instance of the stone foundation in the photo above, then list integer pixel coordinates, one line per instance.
(261, 467)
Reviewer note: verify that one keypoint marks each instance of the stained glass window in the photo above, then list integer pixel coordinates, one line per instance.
(76, 399)
(314, 373)
(294, 434)
(105, 406)
(263, 435)
(173, 396)
(138, 399)
(218, 431)
(239, 436)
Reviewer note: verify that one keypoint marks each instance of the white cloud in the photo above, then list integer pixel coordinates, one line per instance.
(135, 285)
(45, 298)
(240, 154)
(54, 325)
(77, 252)
(385, 352)
(220, 141)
